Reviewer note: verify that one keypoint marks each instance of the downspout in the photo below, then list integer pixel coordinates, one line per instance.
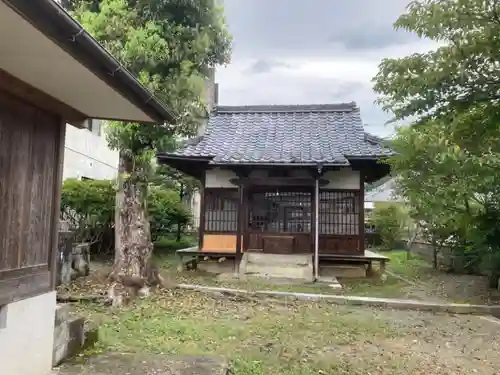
(316, 222)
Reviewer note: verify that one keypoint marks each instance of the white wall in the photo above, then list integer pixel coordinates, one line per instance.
(87, 154)
(27, 335)
(219, 178)
(344, 178)
(195, 205)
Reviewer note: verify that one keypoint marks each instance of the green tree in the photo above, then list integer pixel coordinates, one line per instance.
(459, 75)
(170, 45)
(185, 186)
(448, 161)
(389, 220)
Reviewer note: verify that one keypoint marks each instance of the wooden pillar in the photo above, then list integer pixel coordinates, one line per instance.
(201, 224)
(316, 220)
(313, 218)
(361, 211)
(316, 228)
(239, 223)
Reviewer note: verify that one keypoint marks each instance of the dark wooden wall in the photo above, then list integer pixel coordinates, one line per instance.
(31, 148)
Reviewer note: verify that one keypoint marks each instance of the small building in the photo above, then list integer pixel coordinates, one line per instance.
(52, 72)
(87, 154)
(285, 179)
(384, 193)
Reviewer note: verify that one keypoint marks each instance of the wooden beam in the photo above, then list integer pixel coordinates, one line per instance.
(32, 95)
(277, 181)
(30, 285)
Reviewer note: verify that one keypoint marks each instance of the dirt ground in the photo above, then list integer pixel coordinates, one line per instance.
(271, 337)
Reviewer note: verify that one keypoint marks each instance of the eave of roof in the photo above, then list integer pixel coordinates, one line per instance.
(54, 22)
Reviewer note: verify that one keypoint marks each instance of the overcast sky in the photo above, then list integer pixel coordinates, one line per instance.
(312, 52)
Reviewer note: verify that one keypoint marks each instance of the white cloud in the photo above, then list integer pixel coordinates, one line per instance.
(343, 76)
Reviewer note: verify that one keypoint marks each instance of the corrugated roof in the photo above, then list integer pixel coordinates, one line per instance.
(282, 134)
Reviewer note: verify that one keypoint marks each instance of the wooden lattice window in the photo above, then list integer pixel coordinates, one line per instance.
(339, 212)
(221, 210)
(280, 211)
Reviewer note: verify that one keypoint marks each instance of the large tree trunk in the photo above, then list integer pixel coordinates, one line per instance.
(133, 248)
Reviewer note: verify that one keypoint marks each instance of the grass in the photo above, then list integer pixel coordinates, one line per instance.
(270, 336)
(169, 262)
(408, 265)
(389, 287)
(259, 337)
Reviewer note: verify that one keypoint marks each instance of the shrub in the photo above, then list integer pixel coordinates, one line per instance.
(166, 211)
(166, 244)
(89, 208)
(389, 221)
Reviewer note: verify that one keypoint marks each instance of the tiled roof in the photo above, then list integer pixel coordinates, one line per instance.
(383, 193)
(302, 134)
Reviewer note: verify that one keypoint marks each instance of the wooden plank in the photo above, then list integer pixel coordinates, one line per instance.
(25, 183)
(15, 289)
(24, 271)
(27, 155)
(339, 244)
(16, 122)
(6, 146)
(36, 224)
(219, 242)
(32, 95)
(283, 182)
(50, 124)
(57, 187)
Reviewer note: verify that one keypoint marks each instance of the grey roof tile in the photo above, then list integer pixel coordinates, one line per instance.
(303, 134)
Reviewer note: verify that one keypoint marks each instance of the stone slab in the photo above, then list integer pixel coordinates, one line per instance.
(69, 338)
(346, 271)
(63, 314)
(277, 266)
(142, 364)
(389, 303)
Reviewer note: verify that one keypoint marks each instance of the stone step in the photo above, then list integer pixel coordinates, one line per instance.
(281, 259)
(343, 270)
(277, 266)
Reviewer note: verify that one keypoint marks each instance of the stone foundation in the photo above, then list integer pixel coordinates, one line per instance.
(27, 336)
(71, 336)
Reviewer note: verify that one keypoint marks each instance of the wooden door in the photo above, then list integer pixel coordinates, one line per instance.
(279, 220)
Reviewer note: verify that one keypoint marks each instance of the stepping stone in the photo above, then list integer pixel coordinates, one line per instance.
(140, 364)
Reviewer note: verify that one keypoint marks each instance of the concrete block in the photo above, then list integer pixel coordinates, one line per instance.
(216, 267)
(63, 314)
(69, 338)
(278, 266)
(346, 271)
